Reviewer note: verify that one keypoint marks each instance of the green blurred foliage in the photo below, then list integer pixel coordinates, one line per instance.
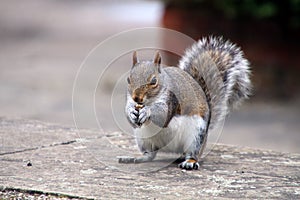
(282, 11)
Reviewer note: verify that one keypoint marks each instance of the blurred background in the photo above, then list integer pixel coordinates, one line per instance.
(43, 44)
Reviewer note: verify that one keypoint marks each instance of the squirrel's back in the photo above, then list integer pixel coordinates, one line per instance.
(222, 71)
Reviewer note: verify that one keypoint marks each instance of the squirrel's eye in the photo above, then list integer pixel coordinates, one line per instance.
(153, 81)
(128, 80)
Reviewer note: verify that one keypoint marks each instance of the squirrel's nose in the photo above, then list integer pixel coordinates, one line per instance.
(138, 96)
(138, 99)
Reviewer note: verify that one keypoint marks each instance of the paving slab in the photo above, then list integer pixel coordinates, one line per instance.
(74, 163)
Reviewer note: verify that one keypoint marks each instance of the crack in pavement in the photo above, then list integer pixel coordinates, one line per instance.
(54, 145)
(38, 192)
(40, 147)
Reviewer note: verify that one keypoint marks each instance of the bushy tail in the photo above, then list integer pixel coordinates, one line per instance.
(222, 71)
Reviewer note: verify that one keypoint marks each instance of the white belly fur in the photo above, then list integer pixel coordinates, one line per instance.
(178, 137)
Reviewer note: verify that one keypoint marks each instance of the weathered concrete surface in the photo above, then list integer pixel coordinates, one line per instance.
(83, 163)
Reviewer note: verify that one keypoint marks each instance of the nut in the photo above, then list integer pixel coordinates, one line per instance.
(139, 106)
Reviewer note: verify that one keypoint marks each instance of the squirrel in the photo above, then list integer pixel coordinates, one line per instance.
(172, 109)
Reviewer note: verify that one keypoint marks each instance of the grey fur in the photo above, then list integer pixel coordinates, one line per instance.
(224, 70)
(185, 101)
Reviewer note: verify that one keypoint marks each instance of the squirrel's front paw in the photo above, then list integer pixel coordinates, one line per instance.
(144, 115)
(133, 115)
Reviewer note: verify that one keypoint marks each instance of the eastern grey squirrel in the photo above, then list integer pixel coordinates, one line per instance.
(172, 109)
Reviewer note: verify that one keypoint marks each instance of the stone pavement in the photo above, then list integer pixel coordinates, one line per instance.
(43, 46)
(63, 162)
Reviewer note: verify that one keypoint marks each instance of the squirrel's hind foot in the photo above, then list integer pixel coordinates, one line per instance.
(189, 164)
(147, 157)
(126, 159)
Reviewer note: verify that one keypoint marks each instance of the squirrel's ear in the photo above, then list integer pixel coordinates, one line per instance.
(157, 60)
(134, 58)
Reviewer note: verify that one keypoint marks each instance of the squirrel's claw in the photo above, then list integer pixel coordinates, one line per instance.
(144, 115)
(133, 115)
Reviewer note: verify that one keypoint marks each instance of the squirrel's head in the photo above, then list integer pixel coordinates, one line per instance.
(144, 79)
